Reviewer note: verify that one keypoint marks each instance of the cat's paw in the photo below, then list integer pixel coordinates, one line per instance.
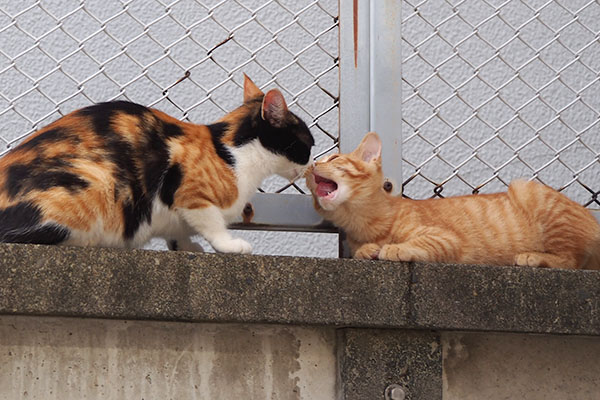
(402, 252)
(232, 246)
(368, 251)
(530, 260)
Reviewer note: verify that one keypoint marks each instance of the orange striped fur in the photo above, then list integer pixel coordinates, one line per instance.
(529, 225)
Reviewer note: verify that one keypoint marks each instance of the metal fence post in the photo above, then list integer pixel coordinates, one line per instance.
(386, 86)
(370, 81)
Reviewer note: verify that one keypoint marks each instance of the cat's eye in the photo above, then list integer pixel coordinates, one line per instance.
(328, 158)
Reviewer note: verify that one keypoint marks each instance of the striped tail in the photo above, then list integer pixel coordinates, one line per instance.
(593, 259)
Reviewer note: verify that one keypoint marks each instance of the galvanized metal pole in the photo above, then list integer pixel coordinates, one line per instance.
(370, 81)
(355, 68)
(370, 78)
(355, 89)
(386, 86)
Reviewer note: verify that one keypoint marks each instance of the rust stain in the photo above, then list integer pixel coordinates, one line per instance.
(221, 43)
(355, 20)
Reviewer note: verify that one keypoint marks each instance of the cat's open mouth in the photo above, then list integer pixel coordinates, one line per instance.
(325, 187)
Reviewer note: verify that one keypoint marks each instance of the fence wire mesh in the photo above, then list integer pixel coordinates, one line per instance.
(494, 90)
(185, 57)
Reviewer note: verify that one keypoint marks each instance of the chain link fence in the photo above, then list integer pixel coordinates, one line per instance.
(494, 90)
(185, 57)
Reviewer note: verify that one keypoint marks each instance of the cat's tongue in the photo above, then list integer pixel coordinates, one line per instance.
(325, 186)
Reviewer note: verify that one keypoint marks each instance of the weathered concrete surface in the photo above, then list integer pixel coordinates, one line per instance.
(66, 358)
(142, 284)
(495, 366)
(139, 284)
(370, 360)
(517, 299)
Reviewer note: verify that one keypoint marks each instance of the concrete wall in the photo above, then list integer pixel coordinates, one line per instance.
(337, 326)
(530, 367)
(71, 358)
(62, 359)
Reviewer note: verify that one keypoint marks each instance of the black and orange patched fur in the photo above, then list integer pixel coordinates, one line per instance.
(116, 174)
(531, 224)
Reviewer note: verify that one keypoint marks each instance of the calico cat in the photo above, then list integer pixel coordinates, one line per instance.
(117, 174)
(530, 225)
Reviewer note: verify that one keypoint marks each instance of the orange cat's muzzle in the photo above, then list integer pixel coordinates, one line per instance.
(308, 171)
(325, 187)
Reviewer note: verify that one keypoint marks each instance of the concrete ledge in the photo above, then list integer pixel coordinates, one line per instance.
(139, 284)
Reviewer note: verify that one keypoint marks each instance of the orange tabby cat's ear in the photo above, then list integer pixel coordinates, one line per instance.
(369, 148)
(250, 89)
(274, 108)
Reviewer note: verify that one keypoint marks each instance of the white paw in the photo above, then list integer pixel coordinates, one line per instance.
(233, 246)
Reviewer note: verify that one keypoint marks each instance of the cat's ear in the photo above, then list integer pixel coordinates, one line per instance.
(369, 148)
(274, 109)
(250, 89)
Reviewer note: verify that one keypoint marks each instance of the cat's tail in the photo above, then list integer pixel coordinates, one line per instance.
(593, 260)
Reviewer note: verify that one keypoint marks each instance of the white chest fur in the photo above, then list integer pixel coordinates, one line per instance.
(253, 163)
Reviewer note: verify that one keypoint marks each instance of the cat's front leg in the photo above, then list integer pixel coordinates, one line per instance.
(367, 251)
(427, 245)
(403, 252)
(209, 222)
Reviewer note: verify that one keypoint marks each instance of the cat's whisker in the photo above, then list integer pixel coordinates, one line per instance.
(299, 174)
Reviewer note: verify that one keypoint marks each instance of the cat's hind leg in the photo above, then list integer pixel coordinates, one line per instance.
(184, 244)
(22, 223)
(209, 222)
(534, 259)
(39, 234)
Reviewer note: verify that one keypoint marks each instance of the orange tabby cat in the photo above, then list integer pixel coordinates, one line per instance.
(530, 225)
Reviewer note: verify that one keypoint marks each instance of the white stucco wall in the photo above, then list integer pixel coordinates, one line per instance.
(506, 88)
(59, 53)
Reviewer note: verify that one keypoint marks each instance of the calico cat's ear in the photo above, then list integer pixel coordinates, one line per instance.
(274, 109)
(369, 148)
(250, 89)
